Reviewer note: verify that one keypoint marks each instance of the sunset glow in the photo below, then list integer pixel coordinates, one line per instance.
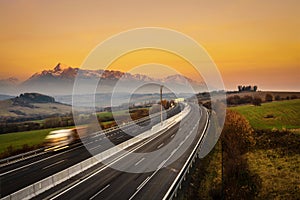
(251, 42)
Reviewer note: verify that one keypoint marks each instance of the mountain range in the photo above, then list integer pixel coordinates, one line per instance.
(60, 81)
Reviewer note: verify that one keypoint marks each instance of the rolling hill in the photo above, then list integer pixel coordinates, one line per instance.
(30, 106)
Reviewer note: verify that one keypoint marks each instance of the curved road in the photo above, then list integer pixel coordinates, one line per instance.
(107, 183)
(18, 175)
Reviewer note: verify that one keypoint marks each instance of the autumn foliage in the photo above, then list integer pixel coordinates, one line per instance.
(237, 138)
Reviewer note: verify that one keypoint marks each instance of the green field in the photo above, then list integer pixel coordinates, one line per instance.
(109, 116)
(267, 169)
(275, 156)
(30, 138)
(275, 115)
(36, 137)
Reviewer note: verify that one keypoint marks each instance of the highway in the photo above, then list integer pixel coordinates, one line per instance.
(105, 182)
(23, 173)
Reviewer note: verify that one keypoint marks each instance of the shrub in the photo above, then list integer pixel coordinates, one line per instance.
(257, 101)
(277, 98)
(237, 138)
(269, 98)
(294, 97)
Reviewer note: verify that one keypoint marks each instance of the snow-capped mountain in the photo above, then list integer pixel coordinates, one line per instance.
(60, 80)
(62, 71)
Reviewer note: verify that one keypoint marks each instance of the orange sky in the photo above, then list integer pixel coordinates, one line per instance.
(251, 41)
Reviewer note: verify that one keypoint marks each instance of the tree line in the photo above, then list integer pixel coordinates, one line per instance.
(247, 99)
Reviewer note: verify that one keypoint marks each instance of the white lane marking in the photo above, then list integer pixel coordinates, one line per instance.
(174, 151)
(90, 142)
(185, 164)
(33, 163)
(147, 180)
(54, 164)
(99, 191)
(162, 144)
(95, 147)
(138, 162)
(181, 143)
(172, 135)
(161, 164)
(106, 166)
(120, 137)
(111, 163)
(143, 183)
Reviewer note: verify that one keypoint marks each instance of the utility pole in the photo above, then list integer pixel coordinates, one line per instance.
(161, 115)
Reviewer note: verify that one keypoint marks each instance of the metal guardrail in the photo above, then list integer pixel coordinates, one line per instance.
(172, 192)
(21, 156)
(129, 123)
(55, 179)
(29, 154)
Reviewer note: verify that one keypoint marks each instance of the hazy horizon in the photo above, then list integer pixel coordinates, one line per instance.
(251, 42)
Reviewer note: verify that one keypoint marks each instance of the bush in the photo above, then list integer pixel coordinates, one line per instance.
(257, 101)
(234, 100)
(277, 98)
(294, 97)
(237, 138)
(269, 98)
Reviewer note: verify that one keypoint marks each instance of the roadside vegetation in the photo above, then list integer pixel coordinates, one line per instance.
(23, 141)
(257, 156)
(20, 142)
(22, 137)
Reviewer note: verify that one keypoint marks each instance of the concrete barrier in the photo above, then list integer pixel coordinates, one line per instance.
(6, 198)
(43, 185)
(49, 182)
(86, 164)
(60, 177)
(25, 193)
(74, 170)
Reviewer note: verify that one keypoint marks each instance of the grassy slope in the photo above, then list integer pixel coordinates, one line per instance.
(36, 137)
(279, 173)
(275, 157)
(286, 114)
(17, 140)
(7, 106)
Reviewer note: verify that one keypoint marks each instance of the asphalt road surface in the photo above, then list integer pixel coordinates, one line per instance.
(23, 173)
(109, 183)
